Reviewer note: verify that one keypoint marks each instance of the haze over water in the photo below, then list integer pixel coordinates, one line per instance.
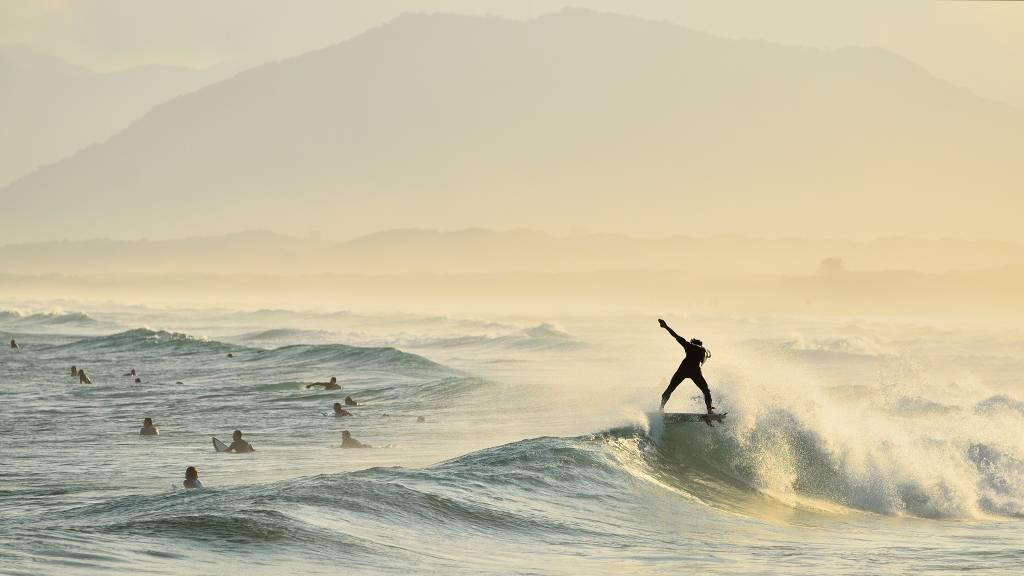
(473, 215)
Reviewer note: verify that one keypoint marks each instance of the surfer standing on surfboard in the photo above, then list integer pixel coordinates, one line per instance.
(696, 354)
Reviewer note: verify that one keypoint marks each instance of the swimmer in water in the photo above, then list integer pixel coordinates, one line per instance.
(82, 378)
(347, 441)
(148, 429)
(13, 343)
(350, 402)
(339, 411)
(138, 380)
(132, 373)
(192, 478)
(74, 371)
(238, 445)
(421, 419)
(332, 385)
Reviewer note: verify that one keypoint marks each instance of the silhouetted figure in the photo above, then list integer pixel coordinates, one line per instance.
(230, 355)
(696, 354)
(148, 429)
(350, 402)
(82, 378)
(347, 441)
(238, 445)
(421, 419)
(13, 343)
(74, 371)
(138, 380)
(339, 411)
(132, 373)
(332, 385)
(192, 478)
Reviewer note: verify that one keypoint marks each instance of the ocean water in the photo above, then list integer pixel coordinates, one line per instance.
(849, 448)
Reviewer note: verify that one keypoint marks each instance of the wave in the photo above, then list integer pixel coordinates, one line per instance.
(792, 455)
(283, 336)
(350, 357)
(56, 319)
(540, 337)
(143, 339)
(999, 403)
(854, 346)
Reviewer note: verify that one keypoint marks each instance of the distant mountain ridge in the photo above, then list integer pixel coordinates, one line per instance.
(480, 251)
(51, 109)
(576, 120)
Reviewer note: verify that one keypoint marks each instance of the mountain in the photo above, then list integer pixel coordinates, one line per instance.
(479, 251)
(572, 121)
(51, 109)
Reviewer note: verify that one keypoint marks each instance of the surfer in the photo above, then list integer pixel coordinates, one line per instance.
(192, 478)
(347, 441)
(148, 429)
(13, 343)
(332, 385)
(339, 411)
(696, 354)
(132, 373)
(350, 402)
(82, 378)
(74, 371)
(138, 380)
(238, 445)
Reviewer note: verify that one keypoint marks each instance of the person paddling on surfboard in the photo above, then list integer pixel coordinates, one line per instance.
(696, 354)
(238, 445)
(332, 385)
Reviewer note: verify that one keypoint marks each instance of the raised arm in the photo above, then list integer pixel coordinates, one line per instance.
(678, 338)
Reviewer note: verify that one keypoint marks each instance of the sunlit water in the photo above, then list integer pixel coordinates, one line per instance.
(849, 448)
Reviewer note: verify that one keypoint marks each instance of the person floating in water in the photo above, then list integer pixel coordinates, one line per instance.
(696, 354)
(148, 429)
(74, 371)
(13, 343)
(349, 401)
(132, 373)
(192, 478)
(238, 445)
(347, 441)
(339, 411)
(332, 385)
(82, 378)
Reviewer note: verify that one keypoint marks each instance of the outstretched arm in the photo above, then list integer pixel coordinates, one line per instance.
(678, 338)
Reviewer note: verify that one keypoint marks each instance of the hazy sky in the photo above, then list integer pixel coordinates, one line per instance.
(979, 45)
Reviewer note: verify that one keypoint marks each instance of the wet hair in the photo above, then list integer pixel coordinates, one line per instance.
(147, 422)
(337, 404)
(236, 433)
(346, 434)
(707, 353)
(191, 473)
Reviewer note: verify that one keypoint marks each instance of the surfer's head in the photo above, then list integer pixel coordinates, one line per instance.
(345, 434)
(337, 406)
(147, 422)
(696, 342)
(237, 435)
(334, 380)
(191, 473)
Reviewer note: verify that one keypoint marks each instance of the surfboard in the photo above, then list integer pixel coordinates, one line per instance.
(680, 417)
(218, 445)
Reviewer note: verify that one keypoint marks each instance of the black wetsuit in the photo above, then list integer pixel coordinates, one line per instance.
(689, 368)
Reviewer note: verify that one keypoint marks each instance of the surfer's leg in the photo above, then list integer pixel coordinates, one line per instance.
(677, 378)
(701, 383)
